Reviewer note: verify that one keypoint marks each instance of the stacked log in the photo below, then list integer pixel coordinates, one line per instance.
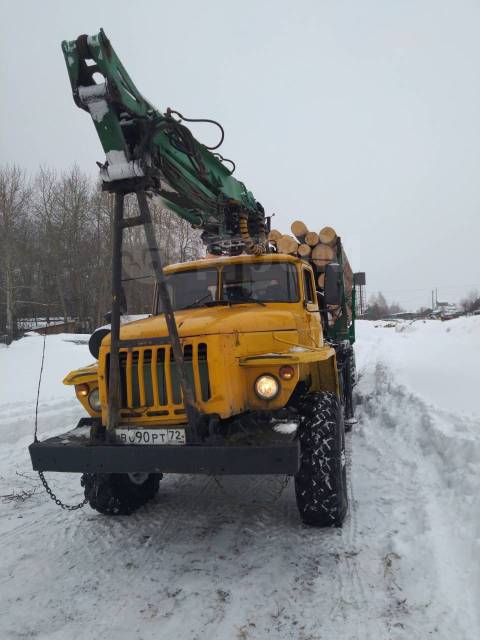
(327, 236)
(312, 239)
(318, 248)
(304, 250)
(347, 275)
(274, 235)
(322, 254)
(287, 244)
(299, 230)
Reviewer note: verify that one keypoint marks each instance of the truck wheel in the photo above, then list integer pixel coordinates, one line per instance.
(353, 369)
(321, 482)
(349, 381)
(119, 494)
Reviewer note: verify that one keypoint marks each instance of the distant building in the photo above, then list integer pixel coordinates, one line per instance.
(47, 325)
(445, 310)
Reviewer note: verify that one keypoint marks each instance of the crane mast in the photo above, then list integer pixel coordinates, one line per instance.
(144, 145)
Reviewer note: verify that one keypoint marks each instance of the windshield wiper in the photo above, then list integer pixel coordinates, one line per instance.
(203, 300)
(197, 301)
(246, 299)
(210, 303)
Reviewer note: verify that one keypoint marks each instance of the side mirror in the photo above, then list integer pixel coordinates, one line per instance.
(333, 284)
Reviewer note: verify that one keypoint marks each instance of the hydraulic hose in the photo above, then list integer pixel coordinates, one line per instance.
(251, 247)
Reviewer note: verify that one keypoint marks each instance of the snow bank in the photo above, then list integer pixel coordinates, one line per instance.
(20, 366)
(410, 374)
(439, 361)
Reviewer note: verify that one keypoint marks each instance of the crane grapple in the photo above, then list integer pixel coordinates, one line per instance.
(145, 146)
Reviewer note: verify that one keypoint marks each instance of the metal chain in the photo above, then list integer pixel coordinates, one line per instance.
(67, 507)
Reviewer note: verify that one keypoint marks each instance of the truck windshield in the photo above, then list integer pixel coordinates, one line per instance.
(263, 282)
(189, 289)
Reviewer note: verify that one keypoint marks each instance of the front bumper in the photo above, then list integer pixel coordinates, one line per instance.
(76, 452)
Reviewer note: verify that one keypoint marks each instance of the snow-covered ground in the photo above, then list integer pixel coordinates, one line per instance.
(229, 558)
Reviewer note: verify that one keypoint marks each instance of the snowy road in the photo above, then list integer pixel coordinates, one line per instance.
(232, 560)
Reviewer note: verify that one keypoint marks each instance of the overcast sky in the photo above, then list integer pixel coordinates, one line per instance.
(360, 115)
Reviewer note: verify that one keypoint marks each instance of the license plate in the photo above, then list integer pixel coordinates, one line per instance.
(151, 436)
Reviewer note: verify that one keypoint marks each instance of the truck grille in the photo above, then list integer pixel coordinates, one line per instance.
(149, 378)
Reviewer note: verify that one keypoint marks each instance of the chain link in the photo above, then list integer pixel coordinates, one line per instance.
(67, 507)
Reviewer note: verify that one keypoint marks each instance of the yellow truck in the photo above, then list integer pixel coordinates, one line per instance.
(270, 390)
(245, 365)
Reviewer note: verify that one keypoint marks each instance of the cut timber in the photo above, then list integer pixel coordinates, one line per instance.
(321, 281)
(322, 254)
(347, 269)
(304, 250)
(334, 314)
(274, 235)
(311, 238)
(328, 236)
(286, 244)
(348, 281)
(347, 273)
(299, 230)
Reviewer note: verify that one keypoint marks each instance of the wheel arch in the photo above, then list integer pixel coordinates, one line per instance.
(325, 375)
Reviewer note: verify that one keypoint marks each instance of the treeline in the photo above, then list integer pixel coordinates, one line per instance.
(378, 307)
(471, 302)
(55, 244)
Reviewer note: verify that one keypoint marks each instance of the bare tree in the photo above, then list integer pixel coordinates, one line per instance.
(50, 226)
(378, 307)
(55, 243)
(471, 302)
(15, 195)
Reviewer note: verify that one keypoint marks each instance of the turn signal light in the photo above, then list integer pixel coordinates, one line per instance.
(286, 372)
(82, 390)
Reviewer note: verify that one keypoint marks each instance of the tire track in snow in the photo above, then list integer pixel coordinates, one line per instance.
(355, 592)
(404, 432)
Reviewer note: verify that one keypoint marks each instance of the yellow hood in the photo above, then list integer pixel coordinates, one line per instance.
(212, 321)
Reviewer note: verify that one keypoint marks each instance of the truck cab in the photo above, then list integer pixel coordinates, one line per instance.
(249, 327)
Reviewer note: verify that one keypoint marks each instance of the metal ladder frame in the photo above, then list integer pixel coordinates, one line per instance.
(120, 190)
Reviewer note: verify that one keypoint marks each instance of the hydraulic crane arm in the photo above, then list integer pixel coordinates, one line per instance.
(140, 142)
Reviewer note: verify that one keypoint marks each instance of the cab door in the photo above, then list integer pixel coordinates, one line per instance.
(310, 304)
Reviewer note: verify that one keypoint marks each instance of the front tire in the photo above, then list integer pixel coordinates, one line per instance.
(349, 378)
(119, 494)
(321, 482)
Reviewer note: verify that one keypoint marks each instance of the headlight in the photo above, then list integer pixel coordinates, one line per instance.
(266, 387)
(94, 400)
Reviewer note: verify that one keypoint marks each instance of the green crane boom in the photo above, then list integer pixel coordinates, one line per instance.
(141, 143)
